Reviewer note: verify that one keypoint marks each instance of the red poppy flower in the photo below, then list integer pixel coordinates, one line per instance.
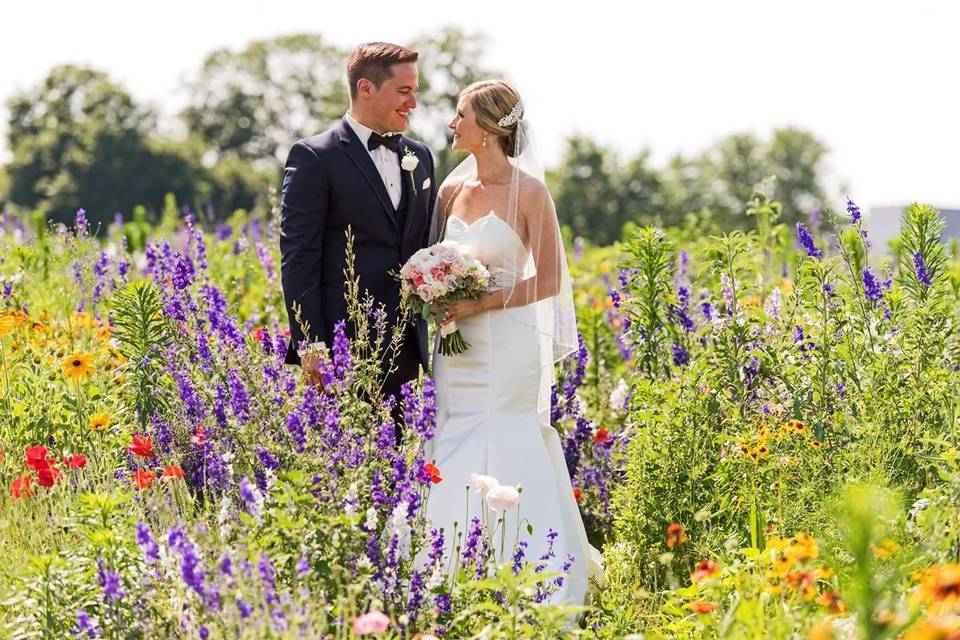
(20, 488)
(705, 569)
(48, 474)
(577, 494)
(171, 473)
(675, 535)
(603, 437)
(703, 608)
(144, 479)
(77, 461)
(198, 438)
(37, 457)
(141, 446)
(258, 334)
(433, 472)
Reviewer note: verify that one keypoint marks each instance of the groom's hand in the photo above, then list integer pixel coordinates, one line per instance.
(312, 371)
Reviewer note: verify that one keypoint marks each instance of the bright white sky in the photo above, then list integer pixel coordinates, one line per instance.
(876, 80)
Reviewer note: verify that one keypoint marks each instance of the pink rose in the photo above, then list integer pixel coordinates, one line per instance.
(373, 622)
(501, 498)
(450, 282)
(417, 278)
(458, 268)
(425, 292)
(438, 273)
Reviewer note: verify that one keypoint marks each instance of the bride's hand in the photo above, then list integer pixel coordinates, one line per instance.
(460, 309)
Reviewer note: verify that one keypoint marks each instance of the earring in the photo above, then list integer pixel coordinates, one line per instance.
(484, 140)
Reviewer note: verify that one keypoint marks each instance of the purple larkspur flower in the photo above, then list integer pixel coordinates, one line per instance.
(85, 625)
(854, 211)
(250, 495)
(578, 249)
(297, 431)
(920, 269)
(871, 286)
(239, 399)
(244, 608)
(680, 355)
(806, 241)
(151, 552)
(519, 554)
(267, 459)
(81, 222)
(110, 582)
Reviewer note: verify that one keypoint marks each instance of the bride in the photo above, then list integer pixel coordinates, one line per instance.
(494, 399)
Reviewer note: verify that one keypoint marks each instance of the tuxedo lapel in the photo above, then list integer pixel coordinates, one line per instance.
(361, 158)
(413, 193)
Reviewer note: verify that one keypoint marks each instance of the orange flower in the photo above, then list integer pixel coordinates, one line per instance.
(577, 494)
(20, 488)
(100, 421)
(144, 479)
(703, 608)
(602, 437)
(705, 569)
(796, 425)
(816, 444)
(940, 584)
(433, 472)
(77, 367)
(141, 445)
(171, 473)
(77, 461)
(675, 535)
(833, 602)
(886, 549)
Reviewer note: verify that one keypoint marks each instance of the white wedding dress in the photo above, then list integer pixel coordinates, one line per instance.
(488, 423)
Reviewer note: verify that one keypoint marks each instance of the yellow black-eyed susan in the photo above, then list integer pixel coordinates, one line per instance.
(77, 366)
(100, 421)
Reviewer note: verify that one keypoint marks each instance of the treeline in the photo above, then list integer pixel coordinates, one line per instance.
(79, 139)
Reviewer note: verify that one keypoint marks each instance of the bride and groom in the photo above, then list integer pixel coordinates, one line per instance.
(493, 399)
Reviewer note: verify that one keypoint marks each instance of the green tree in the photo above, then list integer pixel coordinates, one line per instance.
(596, 196)
(79, 140)
(256, 102)
(448, 63)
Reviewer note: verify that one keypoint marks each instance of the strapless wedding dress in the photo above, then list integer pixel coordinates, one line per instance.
(489, 423)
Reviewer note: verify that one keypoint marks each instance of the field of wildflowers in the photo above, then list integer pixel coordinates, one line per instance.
(761, 430)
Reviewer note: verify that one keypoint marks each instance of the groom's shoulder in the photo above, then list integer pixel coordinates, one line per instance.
(319, 142)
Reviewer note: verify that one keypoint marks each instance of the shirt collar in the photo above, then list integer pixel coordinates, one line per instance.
(363, 132)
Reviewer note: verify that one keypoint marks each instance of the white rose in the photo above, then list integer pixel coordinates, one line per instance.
(483, 484)
(501, 498)
(448, 255)
(409, 162)
(439, 289)
(450, 281)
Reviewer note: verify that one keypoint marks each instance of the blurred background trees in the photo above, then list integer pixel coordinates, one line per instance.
(78, 139)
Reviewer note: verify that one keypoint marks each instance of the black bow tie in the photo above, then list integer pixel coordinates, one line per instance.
(391, 141)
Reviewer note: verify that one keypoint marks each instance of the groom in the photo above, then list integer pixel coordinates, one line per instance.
(362, 173)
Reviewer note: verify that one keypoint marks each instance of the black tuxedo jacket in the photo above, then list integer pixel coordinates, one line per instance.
(329, 183)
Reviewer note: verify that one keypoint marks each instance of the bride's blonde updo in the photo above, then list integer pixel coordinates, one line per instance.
(492, 100)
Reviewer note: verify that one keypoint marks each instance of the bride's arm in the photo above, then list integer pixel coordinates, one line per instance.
(546, 246)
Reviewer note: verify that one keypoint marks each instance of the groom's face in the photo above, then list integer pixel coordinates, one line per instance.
(391, 103)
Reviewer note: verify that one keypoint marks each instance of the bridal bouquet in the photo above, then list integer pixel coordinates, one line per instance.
(439, 274)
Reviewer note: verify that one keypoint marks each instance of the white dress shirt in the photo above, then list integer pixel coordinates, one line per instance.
(386, 161)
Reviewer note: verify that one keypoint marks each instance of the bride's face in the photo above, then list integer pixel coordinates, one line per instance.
(467, 134)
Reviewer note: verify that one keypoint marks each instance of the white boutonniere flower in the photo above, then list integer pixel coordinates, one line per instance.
(409, 163)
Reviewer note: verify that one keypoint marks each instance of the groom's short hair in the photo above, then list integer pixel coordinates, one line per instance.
(373, 61)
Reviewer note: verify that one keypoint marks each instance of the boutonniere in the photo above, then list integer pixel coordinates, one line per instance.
(409, 163)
